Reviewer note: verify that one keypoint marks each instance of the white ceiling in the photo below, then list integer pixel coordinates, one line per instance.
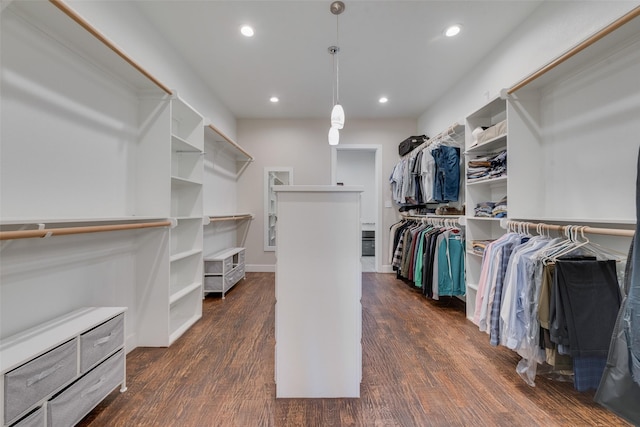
(388, 48)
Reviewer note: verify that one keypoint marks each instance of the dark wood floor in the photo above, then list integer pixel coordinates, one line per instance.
(424, 364)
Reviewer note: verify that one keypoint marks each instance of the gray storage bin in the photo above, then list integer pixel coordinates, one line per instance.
(28, 384)
(77, 400)
(99, 342)
(213, 283)
(34, 419)
(217, 267)
(235, 276)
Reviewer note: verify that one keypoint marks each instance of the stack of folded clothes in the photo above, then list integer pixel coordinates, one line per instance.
(491, 209)
(487, 167)
(478, 246)
(500, 208)
(484, 210)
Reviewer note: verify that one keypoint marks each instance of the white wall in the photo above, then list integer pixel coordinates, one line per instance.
(553, 28)
(302, 144)
(358, 168)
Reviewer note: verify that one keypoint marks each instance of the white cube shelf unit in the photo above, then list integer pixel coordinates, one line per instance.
(223, 270)
(187, 149)
(484, 190)
(55, 373)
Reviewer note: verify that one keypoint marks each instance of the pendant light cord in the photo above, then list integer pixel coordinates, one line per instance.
(338, 59)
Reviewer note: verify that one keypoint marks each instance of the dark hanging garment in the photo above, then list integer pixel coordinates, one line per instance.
(618, 392)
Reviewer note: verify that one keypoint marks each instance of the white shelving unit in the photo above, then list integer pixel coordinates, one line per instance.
(273, 178)
(223, 270)
(54, 373)
(115, 145)
(187, 149)
(489, 190)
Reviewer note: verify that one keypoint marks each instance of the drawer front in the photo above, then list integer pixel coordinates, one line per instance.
(101, 341)
(77, 400)
(233, 277)
(33, 381)
(213, 267)
(34, 419)
(241, 257)
(213, 283)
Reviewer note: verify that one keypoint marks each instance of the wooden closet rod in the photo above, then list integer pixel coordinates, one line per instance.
(28, 234)
(561, 228)
(577, 49)
(231, 141)
(230, 217)
(108, 43)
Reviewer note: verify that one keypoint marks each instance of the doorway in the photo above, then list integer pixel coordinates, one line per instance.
(360, 164)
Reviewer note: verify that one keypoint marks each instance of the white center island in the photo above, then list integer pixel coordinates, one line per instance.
(318, 314)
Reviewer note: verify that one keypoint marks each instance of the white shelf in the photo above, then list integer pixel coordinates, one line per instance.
(491, 181)
(470, 252)
(479, 218)
(179, 145)
(472, 286)
(493, 145)
(183, 292)
(185, 254)
(184, 181)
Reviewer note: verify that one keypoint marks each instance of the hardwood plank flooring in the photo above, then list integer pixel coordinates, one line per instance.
(424, 364)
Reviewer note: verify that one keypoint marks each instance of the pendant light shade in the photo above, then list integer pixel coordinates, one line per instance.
(334, 136)
(337, 117)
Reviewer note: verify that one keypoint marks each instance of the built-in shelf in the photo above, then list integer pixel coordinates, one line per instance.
(183, 292)
(499, 180)
(490, 146)
(185, 254)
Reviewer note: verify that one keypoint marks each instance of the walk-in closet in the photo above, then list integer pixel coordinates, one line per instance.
(319, 213)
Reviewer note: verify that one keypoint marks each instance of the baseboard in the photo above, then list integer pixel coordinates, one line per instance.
(267, 268)
(260, 268)
(387, 269)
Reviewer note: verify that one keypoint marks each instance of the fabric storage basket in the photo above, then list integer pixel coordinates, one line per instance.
(73, 403)
(234, 276)
(34, 419)
(99, 342)
(213, 283)
(216, 267)
(33, 381)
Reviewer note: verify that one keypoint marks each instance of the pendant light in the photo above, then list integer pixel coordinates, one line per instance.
(337, 112)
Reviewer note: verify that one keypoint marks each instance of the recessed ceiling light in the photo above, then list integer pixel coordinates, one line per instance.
(383, 100)
(453, 30)
(246, 31)
(274, 99)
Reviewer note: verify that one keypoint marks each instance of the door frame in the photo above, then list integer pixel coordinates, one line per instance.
(377, 149)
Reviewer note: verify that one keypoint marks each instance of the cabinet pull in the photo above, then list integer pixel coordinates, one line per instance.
(102, 340)
(94, 387)
(44, 374)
